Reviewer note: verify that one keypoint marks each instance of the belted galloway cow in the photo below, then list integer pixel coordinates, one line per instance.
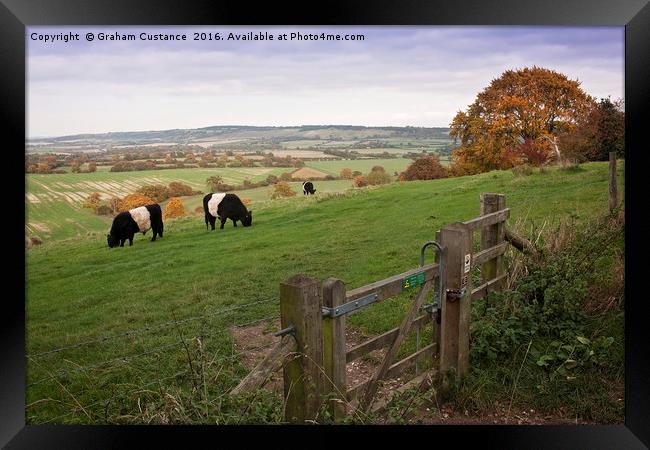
(308, 188)
(223, 207)
(135, 220)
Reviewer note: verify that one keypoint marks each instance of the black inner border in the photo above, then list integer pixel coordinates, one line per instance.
(15, 15)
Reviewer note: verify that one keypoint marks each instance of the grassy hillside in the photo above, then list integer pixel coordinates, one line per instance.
(53, 201)
(79, 290)
(362, 165)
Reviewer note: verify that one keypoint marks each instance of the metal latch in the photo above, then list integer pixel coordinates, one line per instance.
(350, 306)
(455, 294)
(441, 252)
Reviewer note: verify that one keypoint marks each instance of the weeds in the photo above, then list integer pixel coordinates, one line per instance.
(543, 342)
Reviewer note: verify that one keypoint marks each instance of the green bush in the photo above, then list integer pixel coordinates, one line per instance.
(377, 177)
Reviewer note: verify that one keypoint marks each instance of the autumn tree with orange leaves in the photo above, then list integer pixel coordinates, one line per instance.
(517, 119)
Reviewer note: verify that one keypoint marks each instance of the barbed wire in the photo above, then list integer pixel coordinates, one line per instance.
(126, 359)
(150, 329)
(133, 391)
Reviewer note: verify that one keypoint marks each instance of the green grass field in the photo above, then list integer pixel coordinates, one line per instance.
(362, 165)
(54, 201)
(79, 290)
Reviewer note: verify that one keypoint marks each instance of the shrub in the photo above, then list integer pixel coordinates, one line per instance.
(34, 240)
(359, 181)
(522, 170)
(282, 189)
(122, 166)
(346, 173)
(377, 177)
(115, 204)
(158, 192)
(356, 173)
(572, 167)
(271, 179)
(426, 168)
(134, 201)
(92, 200)
(215, 184)
(174, 209)
(377, 169)
(286, 176)
(178, 189)
(103, 209)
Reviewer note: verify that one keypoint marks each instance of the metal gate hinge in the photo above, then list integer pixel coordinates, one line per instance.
(350, 306)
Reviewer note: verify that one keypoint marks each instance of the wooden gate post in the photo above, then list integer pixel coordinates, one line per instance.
(334, 353)
(492, 235)
(456, 299)
(301, 307)
(613, 188)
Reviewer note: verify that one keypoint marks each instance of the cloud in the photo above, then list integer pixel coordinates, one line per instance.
(396, 76)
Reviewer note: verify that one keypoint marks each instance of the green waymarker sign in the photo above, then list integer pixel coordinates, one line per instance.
(413, 280)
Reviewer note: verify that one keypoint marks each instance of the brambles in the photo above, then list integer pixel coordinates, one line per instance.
(559, 321)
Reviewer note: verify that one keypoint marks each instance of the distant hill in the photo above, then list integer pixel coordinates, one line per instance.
(245, 133)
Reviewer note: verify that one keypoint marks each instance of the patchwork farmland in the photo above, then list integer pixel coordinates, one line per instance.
(54, 201)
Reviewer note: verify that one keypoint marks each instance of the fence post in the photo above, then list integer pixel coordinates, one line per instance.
(492, 235)
(435, 326)
(454, 333)
(301, 307)
(613, 188)
(334, 352)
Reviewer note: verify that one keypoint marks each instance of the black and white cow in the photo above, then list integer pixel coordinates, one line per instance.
(135, 220)
(223, 207)
(308, 188)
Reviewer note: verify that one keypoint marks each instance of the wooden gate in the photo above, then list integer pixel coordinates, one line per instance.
(313, 318)
(338, 303)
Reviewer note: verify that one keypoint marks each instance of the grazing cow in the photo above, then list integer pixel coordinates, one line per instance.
(127, 223)
(224, 207)
(308, 188)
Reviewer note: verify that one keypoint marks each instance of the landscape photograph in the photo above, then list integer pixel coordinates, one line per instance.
(360, 225)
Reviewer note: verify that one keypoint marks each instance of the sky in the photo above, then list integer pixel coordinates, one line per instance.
(395, 76)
